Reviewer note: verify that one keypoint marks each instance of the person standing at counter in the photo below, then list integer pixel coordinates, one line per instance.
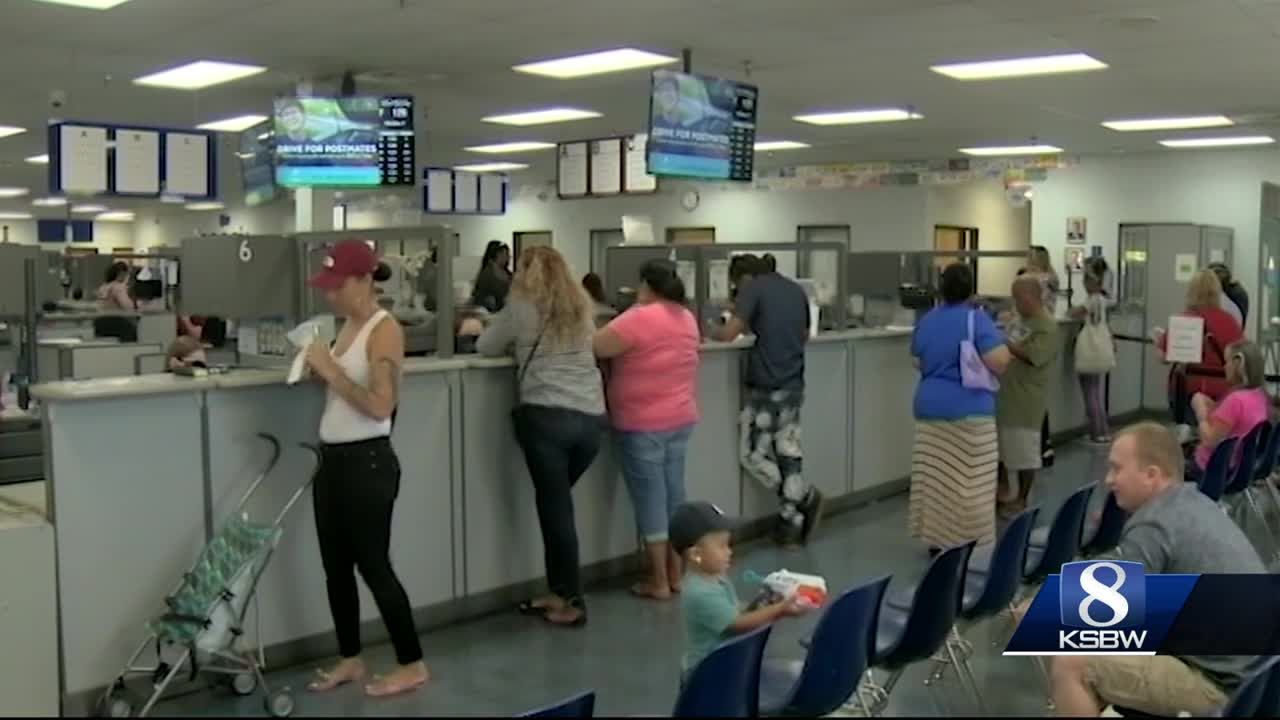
(1235, 299)
(559, 414)
(1023, 399)
(776, 310)
(359, 476)
(1093, 315)
(653, 406)
(1040, 266)
(955, 453)
(113, 293)
(493, 281)
(604, 312)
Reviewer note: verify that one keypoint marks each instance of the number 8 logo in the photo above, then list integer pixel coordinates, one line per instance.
(1105, 594)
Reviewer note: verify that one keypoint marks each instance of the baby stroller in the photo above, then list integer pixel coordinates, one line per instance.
(204, 622)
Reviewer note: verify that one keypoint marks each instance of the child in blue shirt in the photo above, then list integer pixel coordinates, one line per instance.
(700, 533)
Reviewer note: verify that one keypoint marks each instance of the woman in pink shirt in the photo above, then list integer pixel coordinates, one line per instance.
(1245, 405)
(653, 407)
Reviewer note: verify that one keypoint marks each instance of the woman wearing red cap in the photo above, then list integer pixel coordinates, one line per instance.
(359, 477)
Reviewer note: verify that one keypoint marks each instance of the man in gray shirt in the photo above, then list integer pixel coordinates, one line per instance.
(1173, 529)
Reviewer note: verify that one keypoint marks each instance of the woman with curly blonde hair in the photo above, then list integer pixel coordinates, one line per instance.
(559, 417)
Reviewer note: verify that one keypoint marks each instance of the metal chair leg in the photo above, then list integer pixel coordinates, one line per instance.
(964, 673)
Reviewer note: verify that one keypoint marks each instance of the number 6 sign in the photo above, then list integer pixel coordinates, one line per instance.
(246, 252)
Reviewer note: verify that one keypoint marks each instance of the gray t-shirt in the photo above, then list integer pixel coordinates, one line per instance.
(562, 377)
(1181, 531)
(776, 310)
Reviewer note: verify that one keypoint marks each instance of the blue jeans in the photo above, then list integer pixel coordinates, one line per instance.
(653, 468)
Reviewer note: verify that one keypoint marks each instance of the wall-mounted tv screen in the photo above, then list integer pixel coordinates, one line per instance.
(344, 142)
(701, 127)
(257, 166)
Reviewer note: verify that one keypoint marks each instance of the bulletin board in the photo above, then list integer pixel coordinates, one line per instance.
(129, 161)
(446, 191)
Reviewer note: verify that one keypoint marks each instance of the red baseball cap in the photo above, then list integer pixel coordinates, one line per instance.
(349, 258)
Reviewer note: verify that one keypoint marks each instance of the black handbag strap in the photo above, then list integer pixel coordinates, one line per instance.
(527, 360)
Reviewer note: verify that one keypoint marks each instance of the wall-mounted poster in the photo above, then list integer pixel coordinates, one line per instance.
(1077, 230)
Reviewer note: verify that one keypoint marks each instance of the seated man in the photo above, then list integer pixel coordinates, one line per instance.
(1173, 528)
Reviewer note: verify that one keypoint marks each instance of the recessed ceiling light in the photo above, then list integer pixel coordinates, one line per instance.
(491, 167)
(10, 130)
(13, 192)
(1173, 123)
(115, 216)
(207, 205)
(38, 160)
(856, 117)
(1219, 141)
(49, 202)
(510, 147)
(1020, 67)
(233, 124)
(595, 63)
(769, 145)
(1012, 150)
(90, 4)
(199, 74)
(542, 117)
(88, 209)
(15, 216)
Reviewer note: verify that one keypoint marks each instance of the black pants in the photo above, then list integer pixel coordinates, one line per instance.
(355, 492)
(559, 445)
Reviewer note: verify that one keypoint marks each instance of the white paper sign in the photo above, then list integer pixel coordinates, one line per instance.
(718, 283)
(687, 271)
(1185, 339)
(1184, 266)
(573, 170)
(137, 162)
(83, 159)
(637, 230)
(1217, 255)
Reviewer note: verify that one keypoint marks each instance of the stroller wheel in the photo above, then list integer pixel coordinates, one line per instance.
(244, 684)
(280, 704)
(115, 704)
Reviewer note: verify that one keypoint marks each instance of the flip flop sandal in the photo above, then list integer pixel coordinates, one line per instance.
(372, 690)
(529, 609)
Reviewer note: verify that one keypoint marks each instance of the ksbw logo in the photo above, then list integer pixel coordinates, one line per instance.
(1105, 604)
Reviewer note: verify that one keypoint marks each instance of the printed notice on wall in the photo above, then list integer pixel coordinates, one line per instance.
(1184, 266)
(1217, 255)
(718, 283)
(1185, 339)
(82, 159)
(137, 162)
(573, 170)
(687, 271)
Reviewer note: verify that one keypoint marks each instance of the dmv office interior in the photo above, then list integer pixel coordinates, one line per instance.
(156, 133)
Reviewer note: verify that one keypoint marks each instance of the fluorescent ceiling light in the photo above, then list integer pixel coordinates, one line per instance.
(49, 202)
(208, 205)
(88, 208)
(769, 145)
(199, 74)
(595, 63)
(90, 4)
(1173, 123)
(1219, 141)
(491, 167)
(10, 130)
(115, 216)
(1012, 150)
(1020, 67)
(233, 124)
(510, 147)
(13, 192)
(542, 117)
(38, 160)
(856, 117)
(15, 216)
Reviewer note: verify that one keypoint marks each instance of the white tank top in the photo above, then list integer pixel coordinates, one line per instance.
(342, 422)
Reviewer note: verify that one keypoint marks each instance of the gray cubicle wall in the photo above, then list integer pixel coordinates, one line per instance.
(241, 276)
(13, 280)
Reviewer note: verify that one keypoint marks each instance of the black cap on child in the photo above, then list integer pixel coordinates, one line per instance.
(694, 520)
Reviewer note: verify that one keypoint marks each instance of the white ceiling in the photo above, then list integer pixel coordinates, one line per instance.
(1167, 57)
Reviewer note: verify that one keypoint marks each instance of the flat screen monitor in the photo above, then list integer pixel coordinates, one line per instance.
(701, 127)
(257, 166)
(344, 142)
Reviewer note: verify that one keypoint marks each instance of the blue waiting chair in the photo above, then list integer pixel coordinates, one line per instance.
(1268, 450)
(908, 636)
(1106, 535)
(839, 652)
(1214, 479)
(1062, 543)
(579, 706)
(1241, 477)
(727, 682)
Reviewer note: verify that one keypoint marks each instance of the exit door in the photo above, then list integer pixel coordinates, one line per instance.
(522, 240)
(955, 239)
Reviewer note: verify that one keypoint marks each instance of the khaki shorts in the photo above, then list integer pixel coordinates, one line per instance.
(1159, 685)
(1019, 448)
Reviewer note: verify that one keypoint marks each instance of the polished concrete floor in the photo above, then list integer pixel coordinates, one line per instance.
(629, 653)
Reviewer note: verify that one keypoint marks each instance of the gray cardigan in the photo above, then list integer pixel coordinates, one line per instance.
(563, 377)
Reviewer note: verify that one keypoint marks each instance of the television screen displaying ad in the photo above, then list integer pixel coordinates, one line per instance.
(344, 142)
(257, 171)
(701, 127)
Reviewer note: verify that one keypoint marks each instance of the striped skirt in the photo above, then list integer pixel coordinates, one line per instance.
(953, 481)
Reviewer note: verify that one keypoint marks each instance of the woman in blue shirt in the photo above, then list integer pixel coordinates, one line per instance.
(954, 459)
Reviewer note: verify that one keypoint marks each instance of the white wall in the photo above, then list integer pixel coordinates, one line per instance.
(1199, 186)
(985, 205)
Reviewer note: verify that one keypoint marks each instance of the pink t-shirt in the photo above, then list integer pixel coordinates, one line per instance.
(1242, 411)
(653, 385)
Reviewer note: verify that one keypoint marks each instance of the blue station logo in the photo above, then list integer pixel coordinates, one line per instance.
(1103, 606)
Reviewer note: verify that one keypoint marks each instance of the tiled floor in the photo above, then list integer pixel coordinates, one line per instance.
(629, 652)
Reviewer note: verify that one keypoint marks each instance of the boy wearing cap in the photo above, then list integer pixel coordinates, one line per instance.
(700, 533)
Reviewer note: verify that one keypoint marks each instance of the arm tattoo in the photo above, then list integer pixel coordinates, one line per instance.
(384, 371)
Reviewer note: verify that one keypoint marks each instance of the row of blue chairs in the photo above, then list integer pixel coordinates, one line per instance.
(1259, 452)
